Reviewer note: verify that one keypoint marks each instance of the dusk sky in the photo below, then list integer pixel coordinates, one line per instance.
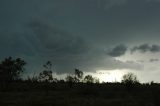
(105, 38)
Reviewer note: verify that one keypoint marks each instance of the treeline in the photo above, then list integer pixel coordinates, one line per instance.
(12, 69)
(75, 90)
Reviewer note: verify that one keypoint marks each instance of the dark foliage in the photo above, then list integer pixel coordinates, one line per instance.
(88, 79)
(130, 81)
(10, 69)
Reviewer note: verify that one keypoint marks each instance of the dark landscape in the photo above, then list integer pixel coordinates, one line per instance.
(44, 90)
(79, 52)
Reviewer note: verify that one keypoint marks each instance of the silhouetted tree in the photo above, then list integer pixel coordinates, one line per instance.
(96, 80)
(78, 75)
(55, 80)
(32, 79)
(130, 80)
(61, 81)
(70, 80)
(88, 79)
(10, 69)
(46, 75)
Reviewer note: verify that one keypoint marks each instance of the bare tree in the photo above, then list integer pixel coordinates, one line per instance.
(46, 75)
(78, 75)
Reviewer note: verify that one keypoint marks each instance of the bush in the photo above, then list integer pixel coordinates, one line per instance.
(130, 80)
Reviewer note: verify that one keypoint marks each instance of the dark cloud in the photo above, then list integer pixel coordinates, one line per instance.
(146, 48)
(153, 0)
(141, 48)
(57, 40)
(75, 34)
(118, 51)
(154, 60)
(155, 48)
(40, 42)
(111, 3)
(14, 44)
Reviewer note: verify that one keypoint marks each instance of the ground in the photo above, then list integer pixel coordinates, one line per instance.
(62, 94)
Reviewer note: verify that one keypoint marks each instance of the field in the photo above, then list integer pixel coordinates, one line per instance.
(79, 94)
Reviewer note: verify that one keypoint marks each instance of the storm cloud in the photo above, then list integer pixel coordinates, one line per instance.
(57, 40)
(118, 51)
(146, 48)
(86, 34)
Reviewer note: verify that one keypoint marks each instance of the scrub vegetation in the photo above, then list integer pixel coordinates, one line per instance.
(75, 90)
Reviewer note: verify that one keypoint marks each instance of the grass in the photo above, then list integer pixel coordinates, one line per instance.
(60, 94)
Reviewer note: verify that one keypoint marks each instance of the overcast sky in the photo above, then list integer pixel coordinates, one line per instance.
(91, 35)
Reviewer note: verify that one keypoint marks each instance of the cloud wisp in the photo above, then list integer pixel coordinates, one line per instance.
(154, 60)
(146, 48)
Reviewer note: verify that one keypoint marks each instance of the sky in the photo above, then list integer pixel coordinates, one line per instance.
(105, 38)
